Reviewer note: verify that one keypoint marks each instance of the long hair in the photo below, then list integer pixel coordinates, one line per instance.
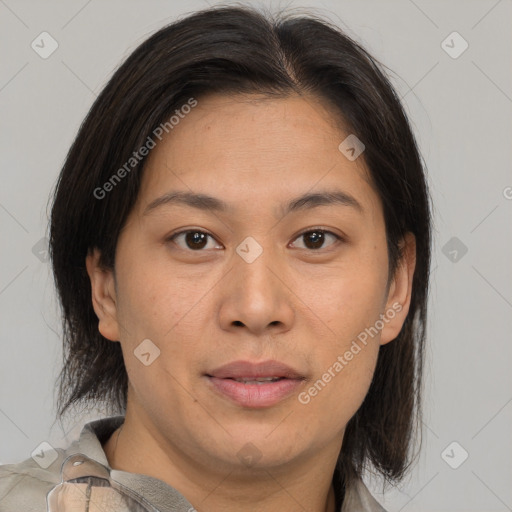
(232, 50)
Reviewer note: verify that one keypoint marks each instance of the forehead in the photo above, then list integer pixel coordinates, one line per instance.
(251, 148)
(257, 125)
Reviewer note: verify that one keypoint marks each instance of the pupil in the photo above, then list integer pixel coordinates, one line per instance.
(317, 238)
(196, 240)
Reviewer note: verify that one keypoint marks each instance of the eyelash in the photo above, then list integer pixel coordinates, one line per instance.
(339, 238)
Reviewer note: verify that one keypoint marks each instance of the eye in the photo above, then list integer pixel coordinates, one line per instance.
(194, 239)
(316, 237)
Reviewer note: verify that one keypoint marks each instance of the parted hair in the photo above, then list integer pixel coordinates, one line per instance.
(243, 50)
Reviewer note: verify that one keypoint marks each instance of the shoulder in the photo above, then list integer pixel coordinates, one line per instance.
(24, 485)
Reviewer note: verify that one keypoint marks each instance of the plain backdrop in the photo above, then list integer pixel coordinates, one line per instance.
(459, 101)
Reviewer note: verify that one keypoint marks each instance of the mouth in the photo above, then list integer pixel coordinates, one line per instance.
(255, 385)
(259, 380)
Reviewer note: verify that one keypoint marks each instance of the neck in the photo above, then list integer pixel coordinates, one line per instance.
(305, 485)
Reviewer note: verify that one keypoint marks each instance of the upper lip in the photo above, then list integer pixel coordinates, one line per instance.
(247, 369)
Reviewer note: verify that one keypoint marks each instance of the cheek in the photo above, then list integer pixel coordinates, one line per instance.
(339, 389)
(156, 306)
(355, 380)
(347, 303)
(343, 301)
(168, 308)
(154, 301)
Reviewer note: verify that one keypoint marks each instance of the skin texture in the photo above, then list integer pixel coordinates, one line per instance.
(206, 307)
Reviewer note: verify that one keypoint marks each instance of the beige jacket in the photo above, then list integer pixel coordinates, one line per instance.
(24, 486)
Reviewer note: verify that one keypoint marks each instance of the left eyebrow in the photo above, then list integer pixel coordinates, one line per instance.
(213, 204)
(323, 198)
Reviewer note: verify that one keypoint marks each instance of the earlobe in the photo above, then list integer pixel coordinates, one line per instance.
(103, 295)
(400, 291)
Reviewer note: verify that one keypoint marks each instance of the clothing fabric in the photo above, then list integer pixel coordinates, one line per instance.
(24, 486)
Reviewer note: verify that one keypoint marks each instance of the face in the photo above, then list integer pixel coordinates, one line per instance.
(292, 294)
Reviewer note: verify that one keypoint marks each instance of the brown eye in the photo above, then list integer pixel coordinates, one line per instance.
(194, 239)
(314, 239)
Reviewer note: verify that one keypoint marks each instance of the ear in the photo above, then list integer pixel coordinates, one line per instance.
(103, 295)
(400, 290)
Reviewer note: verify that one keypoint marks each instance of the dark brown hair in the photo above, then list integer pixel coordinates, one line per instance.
(233, 50)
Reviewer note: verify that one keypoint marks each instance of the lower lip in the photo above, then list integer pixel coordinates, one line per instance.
(256, 395)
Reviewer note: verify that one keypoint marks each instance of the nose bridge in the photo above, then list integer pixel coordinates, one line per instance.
(257, 297)
(252, 262)
(250, 249)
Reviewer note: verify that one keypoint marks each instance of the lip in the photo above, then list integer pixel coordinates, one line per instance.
(247, 370)
(262, 395)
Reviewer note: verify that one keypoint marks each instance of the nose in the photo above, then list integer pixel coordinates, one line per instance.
(257, 295)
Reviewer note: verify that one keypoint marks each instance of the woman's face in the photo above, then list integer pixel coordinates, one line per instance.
(254, 284)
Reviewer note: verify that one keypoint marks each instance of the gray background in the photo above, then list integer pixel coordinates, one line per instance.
(461, 111)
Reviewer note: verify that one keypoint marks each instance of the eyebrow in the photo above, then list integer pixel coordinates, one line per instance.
(213, 204)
